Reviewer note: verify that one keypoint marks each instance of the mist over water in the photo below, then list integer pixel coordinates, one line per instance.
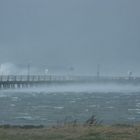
(49, 104)
(83, 87)
(75, 37)
(9, 68)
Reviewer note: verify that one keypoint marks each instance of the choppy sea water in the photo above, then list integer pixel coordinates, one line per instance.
(47, 105)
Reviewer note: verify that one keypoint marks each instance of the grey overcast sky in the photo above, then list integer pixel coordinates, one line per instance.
(78, 33)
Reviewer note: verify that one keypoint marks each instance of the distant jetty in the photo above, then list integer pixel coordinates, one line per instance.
(26, 81)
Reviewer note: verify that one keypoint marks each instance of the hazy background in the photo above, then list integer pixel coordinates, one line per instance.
(61, 34)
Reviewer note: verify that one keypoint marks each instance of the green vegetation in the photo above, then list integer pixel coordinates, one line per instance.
(70, 132)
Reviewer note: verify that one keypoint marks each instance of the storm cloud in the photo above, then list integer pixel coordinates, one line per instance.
(72, 33)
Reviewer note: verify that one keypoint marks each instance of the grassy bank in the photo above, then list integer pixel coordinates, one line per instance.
(68, 132)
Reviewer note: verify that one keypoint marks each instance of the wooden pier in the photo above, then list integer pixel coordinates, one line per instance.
(25, 81)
